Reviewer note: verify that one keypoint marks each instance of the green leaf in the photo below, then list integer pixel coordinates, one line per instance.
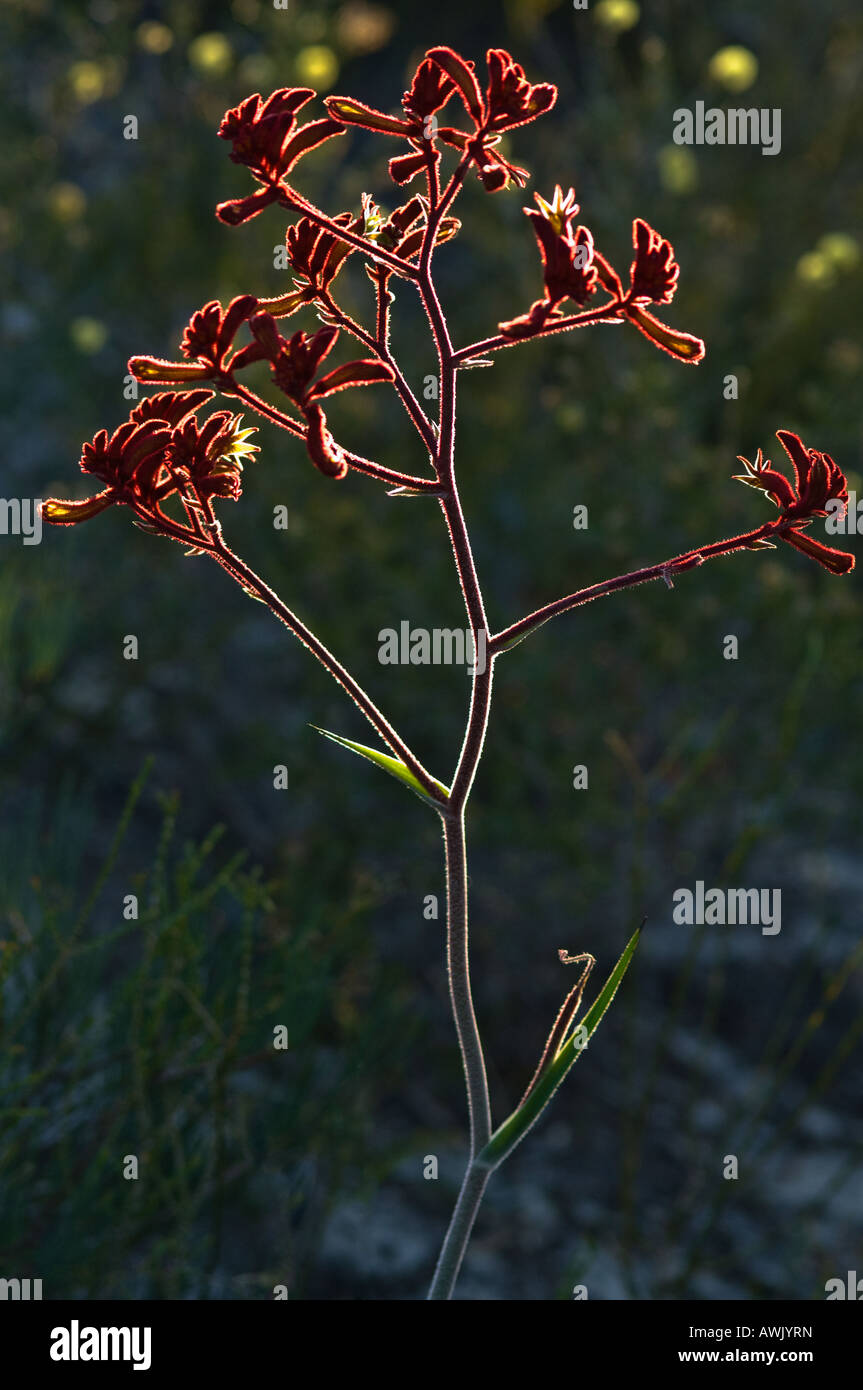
(513, 1130)
(514, 641)
(394, 766)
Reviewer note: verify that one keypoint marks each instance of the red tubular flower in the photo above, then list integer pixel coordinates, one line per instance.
(317, 256)
(325, 453)
(404, 230)
(265, 138)
(653, 277)
(158, 449)
(171, 406)
(430, 90)
(567, 256)
(295, 362)
(510, 101)
(209, 458)
(817, 481)
(405, 167)
(130, 463)
(206, 343)
(568, 262)
(654, 271)
(572, 267)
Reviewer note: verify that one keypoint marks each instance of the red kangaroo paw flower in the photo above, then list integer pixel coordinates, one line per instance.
(323, 449)
(430, 90)
(363, 372)
(265, 138)
(511, 100)
(207, 341)
(683, 346)
(836, 561)
(817, 481)
(171, 406)
(348, 111)
(463, 77)
(61, 512)
(654, 271)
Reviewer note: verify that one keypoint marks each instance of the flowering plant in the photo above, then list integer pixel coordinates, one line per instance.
(171, 467)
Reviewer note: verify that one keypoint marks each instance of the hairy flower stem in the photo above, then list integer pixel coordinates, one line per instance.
(667, 570)
(459, 1233)
(458, 947)
(252, 582)
(356, 461)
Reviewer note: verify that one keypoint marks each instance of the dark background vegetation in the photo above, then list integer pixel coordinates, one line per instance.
(154, 1037)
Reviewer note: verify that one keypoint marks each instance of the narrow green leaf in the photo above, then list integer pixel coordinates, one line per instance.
(394, 766)
(528, 632)
(513, 1130)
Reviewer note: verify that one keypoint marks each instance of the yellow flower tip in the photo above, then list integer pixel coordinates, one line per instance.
(61, 512)
(238, 449)
(561, 207)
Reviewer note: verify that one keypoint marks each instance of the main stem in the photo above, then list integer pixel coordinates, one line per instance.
(458, 953)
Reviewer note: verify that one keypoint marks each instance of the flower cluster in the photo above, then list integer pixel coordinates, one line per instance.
(508, 101)
(817, 481)
(572, 269)
(316, 255)
(264, 137)
(164, 450)
(161, 450)
(295, 362)
(207, 342)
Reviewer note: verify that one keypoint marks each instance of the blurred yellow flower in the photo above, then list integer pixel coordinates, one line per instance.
(678, 169)
(67, 201)
(815, 270)
(840, 250)
(617, 15)
(88, 335)
(87, 81)
(318, 66)
(835, 253)
(734, 67)
(211, 54)
(154, 37)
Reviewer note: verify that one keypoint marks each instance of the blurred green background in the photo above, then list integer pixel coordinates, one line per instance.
(304, 908)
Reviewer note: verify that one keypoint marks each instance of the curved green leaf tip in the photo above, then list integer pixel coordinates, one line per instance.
(513, 1130)
(394, 766)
